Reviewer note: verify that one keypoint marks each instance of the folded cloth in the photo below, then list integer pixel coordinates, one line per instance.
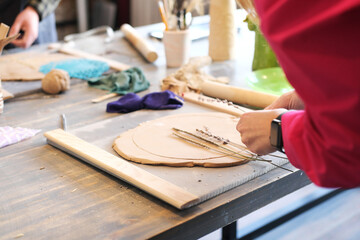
(9, 135)
(78, 68)
(130, 80)
(156, 100)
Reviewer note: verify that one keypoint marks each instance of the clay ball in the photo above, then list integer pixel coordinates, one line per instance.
(56, 81)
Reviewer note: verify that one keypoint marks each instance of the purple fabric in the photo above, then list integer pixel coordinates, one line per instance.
(10, 135)
(156, 100)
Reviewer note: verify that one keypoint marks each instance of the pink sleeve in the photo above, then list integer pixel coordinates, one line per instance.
(317, 45)
(328, 163)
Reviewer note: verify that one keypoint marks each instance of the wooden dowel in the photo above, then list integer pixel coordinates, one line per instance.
(215, 104)
(146, 50)
(78, 53)
(237, 94)
(104, 97)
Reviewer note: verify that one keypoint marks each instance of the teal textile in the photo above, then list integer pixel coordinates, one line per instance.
(78, 68)
(130, 80)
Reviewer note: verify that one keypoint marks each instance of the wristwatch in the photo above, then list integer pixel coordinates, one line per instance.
(276, 138)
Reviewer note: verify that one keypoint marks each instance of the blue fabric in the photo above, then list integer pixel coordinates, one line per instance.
(156, 100)
(78, 68)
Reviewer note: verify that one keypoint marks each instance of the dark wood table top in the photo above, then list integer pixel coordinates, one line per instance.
(48, 194)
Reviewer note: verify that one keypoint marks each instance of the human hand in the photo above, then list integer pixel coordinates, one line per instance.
(289, 100)
(254, 128)
(28, 21)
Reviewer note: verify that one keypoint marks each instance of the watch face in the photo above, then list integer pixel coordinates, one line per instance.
(275, 134)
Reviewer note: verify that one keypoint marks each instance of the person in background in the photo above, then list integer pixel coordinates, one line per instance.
(317, 45)
(35, 19)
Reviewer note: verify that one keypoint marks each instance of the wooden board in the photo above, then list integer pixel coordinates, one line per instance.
(204, 183)
(122, 169)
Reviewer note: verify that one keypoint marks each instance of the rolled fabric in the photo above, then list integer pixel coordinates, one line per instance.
(156, 100)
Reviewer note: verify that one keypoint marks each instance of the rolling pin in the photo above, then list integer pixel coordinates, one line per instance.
(139, 43)
(237, 95)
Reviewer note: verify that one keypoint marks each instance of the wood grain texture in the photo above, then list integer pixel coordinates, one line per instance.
(118, 167)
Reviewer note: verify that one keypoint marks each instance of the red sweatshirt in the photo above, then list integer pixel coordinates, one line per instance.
(318, 46)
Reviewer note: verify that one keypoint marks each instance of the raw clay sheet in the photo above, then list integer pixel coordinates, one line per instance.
(203, 182)
(25, 65)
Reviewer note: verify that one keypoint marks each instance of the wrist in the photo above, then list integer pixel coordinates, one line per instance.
(33, 11)
(276, 138)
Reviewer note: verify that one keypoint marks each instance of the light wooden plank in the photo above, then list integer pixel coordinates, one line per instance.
(79, 53)
(4, 29)
(122, 169)
(104, 97)
(6, 94)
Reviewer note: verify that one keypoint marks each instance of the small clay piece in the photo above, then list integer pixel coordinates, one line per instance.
(56, 81)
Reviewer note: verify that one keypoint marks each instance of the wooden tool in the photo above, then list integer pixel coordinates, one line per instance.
(237, 95)
(139, 43)
(216, 104)
(78, 53)
(122, 169)
(104, 97)
(4, 29)
(6, 95)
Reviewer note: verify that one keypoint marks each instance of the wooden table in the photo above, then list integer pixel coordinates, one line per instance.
(48, 194)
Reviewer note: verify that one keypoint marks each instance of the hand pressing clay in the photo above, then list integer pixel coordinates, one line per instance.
(56, 81)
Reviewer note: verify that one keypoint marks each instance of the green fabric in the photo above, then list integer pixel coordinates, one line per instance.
(131, 80)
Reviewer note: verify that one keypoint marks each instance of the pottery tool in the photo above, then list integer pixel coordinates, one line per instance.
(104, 97)
(63, 123)
(216, 104)
(6, 95)
(4, 29)
(163, 14)
(121, 168)
(237, 95)
(92, 32)
(63, 48)
(146, 50)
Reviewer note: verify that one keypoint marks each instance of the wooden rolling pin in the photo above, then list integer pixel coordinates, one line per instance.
(139, 43)
(237, 95)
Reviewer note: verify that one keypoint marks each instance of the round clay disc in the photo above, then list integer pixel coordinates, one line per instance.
(154, 142)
